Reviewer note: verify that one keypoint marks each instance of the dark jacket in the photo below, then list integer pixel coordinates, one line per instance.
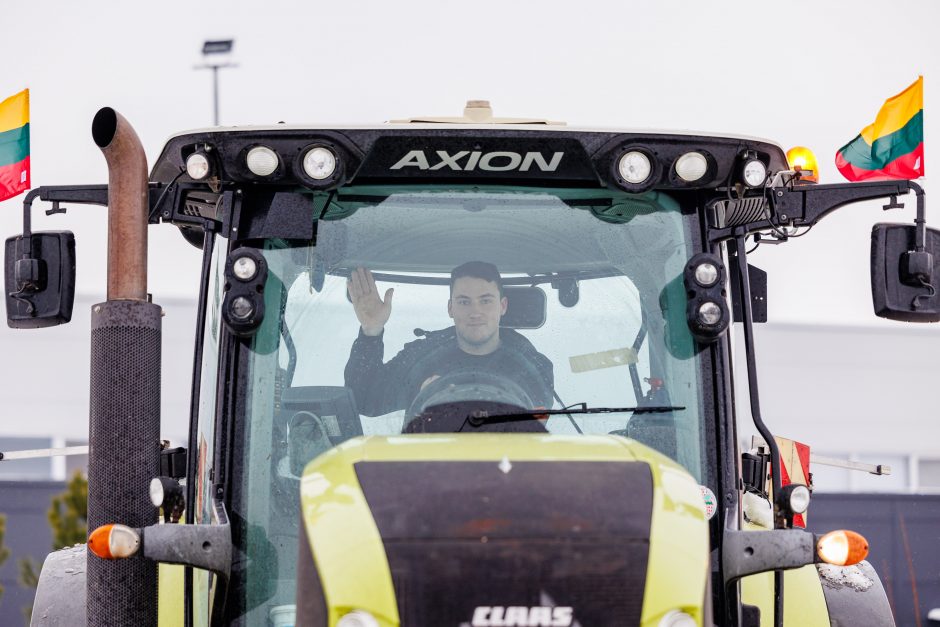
(380, 388)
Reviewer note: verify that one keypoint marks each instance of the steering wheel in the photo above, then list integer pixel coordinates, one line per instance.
(449, 403)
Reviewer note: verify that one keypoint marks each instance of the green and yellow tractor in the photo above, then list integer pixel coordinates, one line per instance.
(450, 372)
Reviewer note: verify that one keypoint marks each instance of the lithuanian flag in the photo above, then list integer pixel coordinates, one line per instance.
(14, 145)
(892, 147)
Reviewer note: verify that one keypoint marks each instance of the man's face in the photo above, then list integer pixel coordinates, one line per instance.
(476, 308)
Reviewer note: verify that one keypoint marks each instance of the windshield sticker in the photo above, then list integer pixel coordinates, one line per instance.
(711, 503)
(604, 359)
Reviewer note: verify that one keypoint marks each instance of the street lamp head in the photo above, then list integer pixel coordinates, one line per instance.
(218, 46)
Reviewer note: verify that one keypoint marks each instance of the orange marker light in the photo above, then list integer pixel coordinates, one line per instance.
(842, 548)
(802, 158)
(113, 542)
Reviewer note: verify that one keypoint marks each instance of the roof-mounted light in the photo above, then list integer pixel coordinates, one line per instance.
(319, 163)
(261, 161)
(198, 166)
(691, 166)
(804, 161)
(754, 172)
(635, 167)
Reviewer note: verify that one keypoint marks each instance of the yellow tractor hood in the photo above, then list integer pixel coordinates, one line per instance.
(499, 530)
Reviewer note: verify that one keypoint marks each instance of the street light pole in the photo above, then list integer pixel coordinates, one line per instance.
(216, 47)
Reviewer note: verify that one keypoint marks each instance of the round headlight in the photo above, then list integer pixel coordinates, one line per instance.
(709, 313)
(242, 308)
(156, 492)
(691, 166)
(319, 163)
(197, 166)
(634, 167)
(357, 618)
(261, 160)
(754, 173)
(799, 499)
(706, 274)
(245, 268)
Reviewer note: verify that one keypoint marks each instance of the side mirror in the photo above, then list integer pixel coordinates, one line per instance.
(905, 273)
(39, 273)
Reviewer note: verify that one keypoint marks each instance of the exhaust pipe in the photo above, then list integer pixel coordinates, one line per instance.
(128, 205)
(124, 420)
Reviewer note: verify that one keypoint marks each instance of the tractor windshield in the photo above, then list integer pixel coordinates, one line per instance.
(561, 298)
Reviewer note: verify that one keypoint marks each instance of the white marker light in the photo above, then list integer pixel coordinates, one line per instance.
(197, 166)
(357, 618)
(261, 160)
(709, 313)
(706, 274)
(634, 167)
(242, 308)
(755, 173)
(691, 166)
(113, 542)
(157, 493)
(245, 268)
(319, 163)
(124, 541)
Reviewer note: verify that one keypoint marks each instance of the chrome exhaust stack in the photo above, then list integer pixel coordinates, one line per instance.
(124, 420)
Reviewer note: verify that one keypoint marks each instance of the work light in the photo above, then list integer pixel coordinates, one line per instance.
(709, 313)
(198, 166)
(319, 163)
(799, 499)
(754, 173)
(691, 166)
(261, 161)
(706, 274)
(244, 268)
(241, 308)
(635, 167)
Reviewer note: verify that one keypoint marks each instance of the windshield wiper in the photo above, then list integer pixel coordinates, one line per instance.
(479, 418)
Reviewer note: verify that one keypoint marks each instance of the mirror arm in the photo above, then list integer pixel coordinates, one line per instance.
(920, 234)
(750, 552)
(805, 205)
(205, 546)
(81, 195)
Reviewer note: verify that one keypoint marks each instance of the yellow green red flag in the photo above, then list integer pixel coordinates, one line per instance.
(893, 146)
(14, 145)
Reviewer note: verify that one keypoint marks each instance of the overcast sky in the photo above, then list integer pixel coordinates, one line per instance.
(797, 73)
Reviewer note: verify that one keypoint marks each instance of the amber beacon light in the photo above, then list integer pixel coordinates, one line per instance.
(803, 160)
